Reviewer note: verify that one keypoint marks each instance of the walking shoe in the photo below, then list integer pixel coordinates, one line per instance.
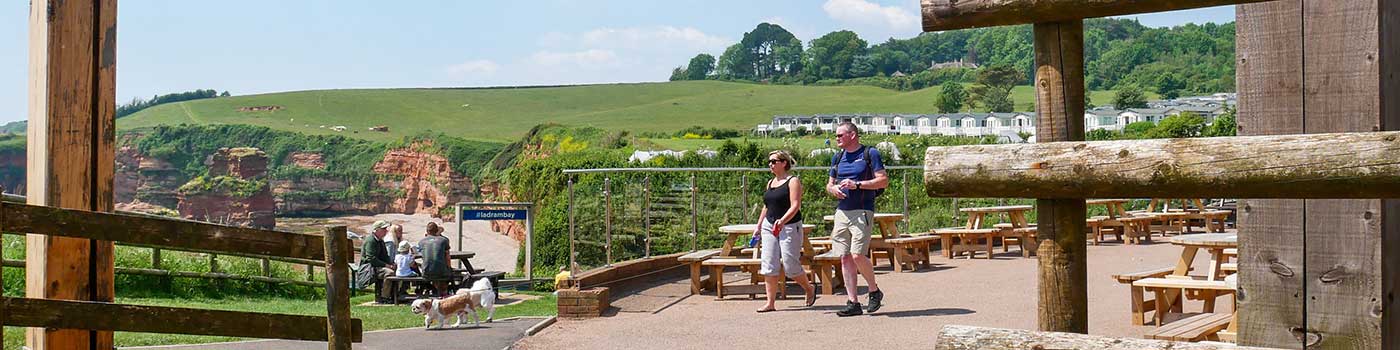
(852, 309)
(875, 298)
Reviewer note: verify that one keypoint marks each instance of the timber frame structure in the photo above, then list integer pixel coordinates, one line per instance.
(69, 267)
(1319, 244)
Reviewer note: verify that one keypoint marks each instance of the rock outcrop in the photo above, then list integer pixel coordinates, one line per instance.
(235, 192)
(306, 160)
(12, 176)
(428, 182)
(140, 178)
(492, 191)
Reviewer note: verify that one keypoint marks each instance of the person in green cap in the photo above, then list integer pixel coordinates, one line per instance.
(374, 253)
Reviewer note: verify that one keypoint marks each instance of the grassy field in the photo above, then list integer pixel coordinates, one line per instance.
(506, 114)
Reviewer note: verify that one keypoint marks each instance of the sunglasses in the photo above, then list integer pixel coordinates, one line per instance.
(771, 161)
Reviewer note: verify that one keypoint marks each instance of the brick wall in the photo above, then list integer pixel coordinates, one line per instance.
(587, 303)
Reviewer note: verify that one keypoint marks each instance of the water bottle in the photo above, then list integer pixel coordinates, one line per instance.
(753, 242)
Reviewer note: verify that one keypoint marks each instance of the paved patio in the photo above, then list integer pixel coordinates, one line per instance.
(979, 292)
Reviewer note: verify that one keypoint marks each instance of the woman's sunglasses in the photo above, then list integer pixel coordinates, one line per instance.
(771, 161)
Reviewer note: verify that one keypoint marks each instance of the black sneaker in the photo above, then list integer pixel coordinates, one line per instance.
(875, 298)
(852, 309)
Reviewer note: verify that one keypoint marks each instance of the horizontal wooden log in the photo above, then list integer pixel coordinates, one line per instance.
(1338, 165)
(159, 232)
(960, 14)
(954, 337)
(66, 314)
(185, 274)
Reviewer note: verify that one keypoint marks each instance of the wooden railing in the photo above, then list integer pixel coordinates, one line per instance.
(332, 247)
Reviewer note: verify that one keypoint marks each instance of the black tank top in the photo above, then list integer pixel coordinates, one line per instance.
(777, 200)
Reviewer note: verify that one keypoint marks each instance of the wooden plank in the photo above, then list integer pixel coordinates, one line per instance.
(339, 331)
(160, 232)
(960, 14)
(1059, 60)
(1389, 62)
(46, 313)
(1343, 237)
(955, 337)
(71, 151)
(1270, 79)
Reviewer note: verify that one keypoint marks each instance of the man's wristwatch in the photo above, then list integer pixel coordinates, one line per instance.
(857, 185)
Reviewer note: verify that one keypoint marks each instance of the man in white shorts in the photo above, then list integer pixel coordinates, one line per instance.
(856, 174)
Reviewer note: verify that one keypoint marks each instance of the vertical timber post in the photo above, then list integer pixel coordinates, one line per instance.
(72, 131)
(1059, 92)
(337, 288)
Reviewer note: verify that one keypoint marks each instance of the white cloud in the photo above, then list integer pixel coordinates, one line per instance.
(586, 58)
(474, 67)
(867, 13)
(653, 38)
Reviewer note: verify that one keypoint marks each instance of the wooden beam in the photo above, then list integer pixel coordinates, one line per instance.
(1059, 92)
(1269, 66)
(961, 14)
(46, 313)
(1341, 93)
(338, 323)
(70, 161)
(1339, 165)
(1389, 62)
(159, 232)
(955, 337)
(187, 274)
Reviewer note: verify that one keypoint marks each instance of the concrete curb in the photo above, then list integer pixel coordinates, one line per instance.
(541, 326)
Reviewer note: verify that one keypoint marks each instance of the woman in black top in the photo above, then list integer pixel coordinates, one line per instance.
(781, 230)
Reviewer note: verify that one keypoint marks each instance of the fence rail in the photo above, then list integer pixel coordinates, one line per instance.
(333, 246)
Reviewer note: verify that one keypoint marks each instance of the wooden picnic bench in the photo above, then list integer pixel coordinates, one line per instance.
(1137, 295)
(911, 251)
(827, 267)
(717, 266)
(963, 236)
(455, 281)
(1162, 286)
(694, 259)
(1200, 327)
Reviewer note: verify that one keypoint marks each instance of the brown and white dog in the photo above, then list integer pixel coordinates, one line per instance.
(465, 302)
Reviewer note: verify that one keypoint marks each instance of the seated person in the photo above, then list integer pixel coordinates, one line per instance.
(436, 264)
(407, 266)
(374, 253)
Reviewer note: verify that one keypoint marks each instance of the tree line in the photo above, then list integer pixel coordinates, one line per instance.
(1118, 53)
(138, 104)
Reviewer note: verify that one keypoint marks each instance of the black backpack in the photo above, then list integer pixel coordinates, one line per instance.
(869, 173)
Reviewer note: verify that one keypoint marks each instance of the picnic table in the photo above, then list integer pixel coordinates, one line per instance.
(1169, 289)
(1016, 214)
(1214, 243)
(1115, 207)
(972, 230)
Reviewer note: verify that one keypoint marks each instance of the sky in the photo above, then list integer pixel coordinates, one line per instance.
(260, 46)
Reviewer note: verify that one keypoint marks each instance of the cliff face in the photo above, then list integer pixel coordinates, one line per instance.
(234, 193)
(428, 183)
(12, 176)
(142, 179)
(496, 192)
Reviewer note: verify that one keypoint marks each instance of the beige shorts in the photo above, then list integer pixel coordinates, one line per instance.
(851, 234)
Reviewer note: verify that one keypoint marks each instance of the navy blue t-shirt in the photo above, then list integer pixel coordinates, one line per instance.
(852, 166)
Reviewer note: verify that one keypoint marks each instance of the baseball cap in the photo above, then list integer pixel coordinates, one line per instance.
(379, 224)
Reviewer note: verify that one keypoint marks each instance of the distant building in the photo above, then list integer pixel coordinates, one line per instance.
(954, 64)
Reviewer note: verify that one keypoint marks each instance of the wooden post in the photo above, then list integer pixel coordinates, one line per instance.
(155, 258)
(1059, 91)
(267, 267)
(1389, 63)
(337, 289)
(942, 15)
(72, 130)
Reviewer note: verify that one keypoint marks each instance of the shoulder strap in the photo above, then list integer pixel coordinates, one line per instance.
(869, 166)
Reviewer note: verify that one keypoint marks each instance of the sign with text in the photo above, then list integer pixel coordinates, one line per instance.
(493, 214)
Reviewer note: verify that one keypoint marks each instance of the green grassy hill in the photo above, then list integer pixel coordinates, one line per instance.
(507, 113)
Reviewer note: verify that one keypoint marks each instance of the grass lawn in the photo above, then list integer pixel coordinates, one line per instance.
(505, 114)
(374, 317)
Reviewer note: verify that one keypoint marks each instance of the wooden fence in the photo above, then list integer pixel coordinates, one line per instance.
(332, 247)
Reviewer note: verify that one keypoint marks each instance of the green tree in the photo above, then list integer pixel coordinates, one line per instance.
(1170, 85)
(1138, 130)
(734, 63)
(834, 54)
(771, 51)
(993, 89)
(1186, 124)
(678, 74)
(1224, 125)
(1129, 97)
(700, 67)
(950, 99)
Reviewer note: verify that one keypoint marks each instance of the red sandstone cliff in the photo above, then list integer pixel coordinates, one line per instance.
(428, 183)
(222, 197)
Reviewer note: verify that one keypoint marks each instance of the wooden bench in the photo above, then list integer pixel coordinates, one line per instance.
(1137, 228)
(963, 236)
(1194, 328)
(911, 251)
(1136, 294)
(717, 266)
(1097, 226)
(1215, 219)
(1023, 237)
(694, 259)
(1208, 290)
(827, 267)
(400, 283)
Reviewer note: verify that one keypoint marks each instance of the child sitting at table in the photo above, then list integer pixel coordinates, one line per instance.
(404, 260)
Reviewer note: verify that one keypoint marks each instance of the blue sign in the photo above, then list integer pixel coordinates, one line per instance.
(493, 214)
